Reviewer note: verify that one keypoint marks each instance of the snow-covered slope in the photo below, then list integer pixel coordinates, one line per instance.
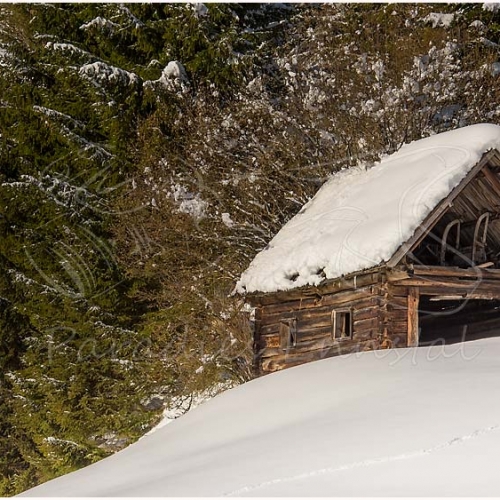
(422, 421)
(360, 217)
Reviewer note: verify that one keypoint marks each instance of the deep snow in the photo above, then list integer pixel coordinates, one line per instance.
(417, 421)
(360, 217)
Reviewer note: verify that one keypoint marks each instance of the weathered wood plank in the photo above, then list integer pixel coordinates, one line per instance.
(398, 314)
(321, 318)
(353, 281)
(397, 274)
(258, 313)
(327, 300)
(274, 363)
(319, 343)
(366, 324)
(449, 283)
(268, 341)
(325, 320)
(321, 321)
(301, 335)
(397, 302)
(313, 321)
(291, 305)
(269, 329)
(398, 325)
(462, 295)
(365, 313)
(290, 356)
(300, 348)
(309, 332)
(492, 179)
(371, 333)
(495, 160)
(442, 282)
(314, 333)
(357, 300)
(413, 299)
(396, 292)
(357, 297)
(471, 272)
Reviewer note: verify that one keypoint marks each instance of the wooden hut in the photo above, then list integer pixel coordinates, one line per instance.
(422, 248)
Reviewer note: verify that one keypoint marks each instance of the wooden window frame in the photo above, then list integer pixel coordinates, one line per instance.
(338, 315)
(288, 333)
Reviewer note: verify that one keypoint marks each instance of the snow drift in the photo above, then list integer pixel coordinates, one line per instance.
(421, 421)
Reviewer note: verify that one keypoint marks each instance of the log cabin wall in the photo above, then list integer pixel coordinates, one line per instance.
(397, 305)
(339, 319)
(378, 310)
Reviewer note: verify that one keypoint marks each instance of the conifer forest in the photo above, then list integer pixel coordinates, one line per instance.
(148, 152)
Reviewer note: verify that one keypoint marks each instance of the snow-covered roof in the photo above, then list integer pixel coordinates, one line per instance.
(360, 217)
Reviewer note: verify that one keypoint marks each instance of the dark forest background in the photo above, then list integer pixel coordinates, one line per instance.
(148, 151)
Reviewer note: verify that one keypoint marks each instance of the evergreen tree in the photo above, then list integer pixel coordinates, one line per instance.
(147, 152)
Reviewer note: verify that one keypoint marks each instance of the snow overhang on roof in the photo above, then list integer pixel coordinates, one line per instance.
(359, 218)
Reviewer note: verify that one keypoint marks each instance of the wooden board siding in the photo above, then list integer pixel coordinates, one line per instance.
(314, 339)
(384, 313)
(471, 283)
(287, 360)
(394, 310)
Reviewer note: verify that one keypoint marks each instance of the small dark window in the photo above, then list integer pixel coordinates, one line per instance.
(341, 324)
(288, 333)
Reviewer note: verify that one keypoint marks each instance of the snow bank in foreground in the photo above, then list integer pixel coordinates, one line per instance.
(408, 422)
(360, 217)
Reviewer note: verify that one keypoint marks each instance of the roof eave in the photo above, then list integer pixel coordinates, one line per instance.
(350, 281)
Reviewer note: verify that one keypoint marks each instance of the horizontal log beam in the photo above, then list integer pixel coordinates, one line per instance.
(366, 324)
(395, 293)
(270, 364)
(359, 299)
(469, 273)
(470, 295)
(342, 296)
(349, 282)
(450, 284)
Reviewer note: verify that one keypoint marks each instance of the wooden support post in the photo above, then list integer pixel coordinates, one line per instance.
(413, 298)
